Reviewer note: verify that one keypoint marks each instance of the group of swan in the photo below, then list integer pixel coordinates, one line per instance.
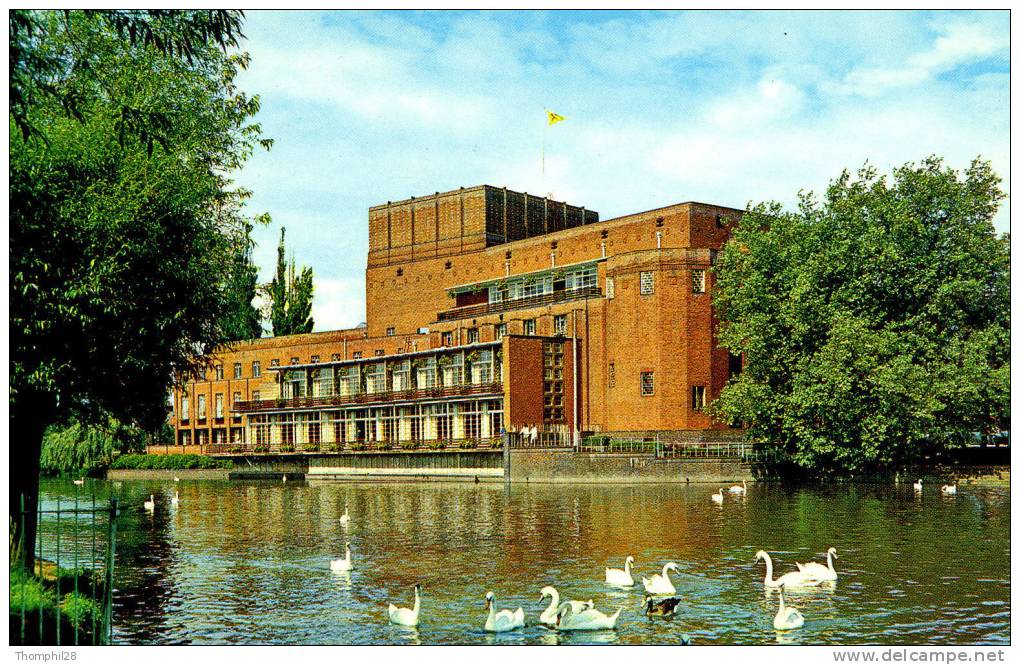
(150, 504)
(740, 489)
(946, 489)
(807, 575)
(658, 584)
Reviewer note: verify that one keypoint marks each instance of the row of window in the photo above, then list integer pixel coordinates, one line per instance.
(218, 405)
(648, 388)
(647, 283)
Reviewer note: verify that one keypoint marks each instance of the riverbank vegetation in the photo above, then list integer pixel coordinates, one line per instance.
(168, 462)
(873, 324)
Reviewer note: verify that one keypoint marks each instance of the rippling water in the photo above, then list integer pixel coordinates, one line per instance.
(248, 563)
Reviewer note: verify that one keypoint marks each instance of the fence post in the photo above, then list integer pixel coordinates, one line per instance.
(506, 457)
(111, 550)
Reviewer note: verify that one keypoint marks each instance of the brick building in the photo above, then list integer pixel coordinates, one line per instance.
(488, 308)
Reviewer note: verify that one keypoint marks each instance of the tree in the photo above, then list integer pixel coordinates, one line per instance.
(875, 325)
(242, 319)
(290, 295)
(124, 128)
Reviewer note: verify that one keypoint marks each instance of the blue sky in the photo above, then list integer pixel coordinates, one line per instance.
(720, 107)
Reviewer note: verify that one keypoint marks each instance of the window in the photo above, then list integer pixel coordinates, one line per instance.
(375, 378)
(237, 398)
(219, 372)
(275, 362)
(356, 355)
(552, 363)
(698, 281)
(201, 407)
(256, 395)
(529, 326)
(585, 278)
(426, 373)
(647, 282)
(335, 357)
(237, 370)
(219, 405)
(256, 369)
(402, 375)
(697, 397)
(647, 383)
(610, 287)
(201, 374)
(380, 352)
(349, 380)
(612, 375)
(391, 331)
(293, 360)
(481, 367)
(500, 330)
(472, 335)
(447, 339)
(453, 370)
(315, 359)
(560, 324)
(185, 407)
(293, 383)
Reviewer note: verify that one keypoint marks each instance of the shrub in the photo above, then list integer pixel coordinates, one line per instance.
(469, 444)
(357, 446)
(437, 445)
(169, 462)
(408, 445)
(81, 611)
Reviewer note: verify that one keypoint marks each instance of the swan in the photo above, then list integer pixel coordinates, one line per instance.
(401, 615)
(342, 564)
(176, 499)
(661, 585)
(663, 607)
(79, 481)
(739, 489)
(817, 570)
(618, 577)
(590, 619)
(176, 479)
(345, 519)
(792, 579)
(150, 505)
(285, 477)
(549, 615)
(718, 497)
(917, 485)
(504, 620)
(946, 489)
(787, 618)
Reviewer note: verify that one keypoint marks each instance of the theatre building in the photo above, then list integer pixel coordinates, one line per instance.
(487, 309)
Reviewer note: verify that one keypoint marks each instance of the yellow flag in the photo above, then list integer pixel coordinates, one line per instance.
(554, 117)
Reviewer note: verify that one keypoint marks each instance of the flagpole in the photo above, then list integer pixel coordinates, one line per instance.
(545, 126)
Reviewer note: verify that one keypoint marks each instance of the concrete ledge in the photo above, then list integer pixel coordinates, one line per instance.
(546, 466)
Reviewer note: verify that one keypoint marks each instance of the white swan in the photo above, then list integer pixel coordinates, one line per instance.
(176, 479)
(618, 577)
(548, 617)
(590, 619)
(79, 481)
(739, 489)
(401, 615)
(917, 485)
(717, 498)
(176, 499)
(949, 489)
(787, 618)
(285, 477)
(342, 564)
(793, 579)
(345, 519)
(661, 585)
(150, 505)
(817, 570)
(504, 620)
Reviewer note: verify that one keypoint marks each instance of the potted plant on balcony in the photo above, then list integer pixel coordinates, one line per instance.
(437, 444)
(358, 446)
(469, 444)
(408, 445)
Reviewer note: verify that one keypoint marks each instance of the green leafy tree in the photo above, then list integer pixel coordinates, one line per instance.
(242, 319)
(125, 126)
(290, 295)
(83, 449)
(875, 325)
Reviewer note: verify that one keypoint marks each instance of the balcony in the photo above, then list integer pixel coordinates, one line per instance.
(318, 448)
(470, 311)
(369, 398)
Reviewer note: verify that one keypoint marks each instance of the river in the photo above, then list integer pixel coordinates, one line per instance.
(248, 562)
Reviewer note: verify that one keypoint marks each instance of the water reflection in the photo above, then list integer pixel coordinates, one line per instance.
(248, 563)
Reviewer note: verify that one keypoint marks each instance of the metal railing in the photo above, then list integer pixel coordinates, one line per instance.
(469, 311)
(492, 388)
(313, 448)
(673, 445)
(68, 598)
(543, 439)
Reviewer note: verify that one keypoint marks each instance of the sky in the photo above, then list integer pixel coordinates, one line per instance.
(720, 107)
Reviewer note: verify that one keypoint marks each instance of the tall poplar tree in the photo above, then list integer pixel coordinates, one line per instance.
(290, 295)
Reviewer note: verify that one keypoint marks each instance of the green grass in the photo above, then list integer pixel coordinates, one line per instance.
(168, 462)
(35, 599)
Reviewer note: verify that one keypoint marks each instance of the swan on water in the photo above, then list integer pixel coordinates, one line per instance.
(176, 479)
(718, 497)
(150, 505)
(503, 620)
(660, 584)
(917, 485)
(817, 570)
(80, 481)
(285, 477)
(345, 519)
(949, 489)
(739, 489)
(342, 564)
(661, 607)
(401, 615)
(787, 618)
(176, 499)
(590, 619)
(618, 577)
(792, 579)
(548, 617)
